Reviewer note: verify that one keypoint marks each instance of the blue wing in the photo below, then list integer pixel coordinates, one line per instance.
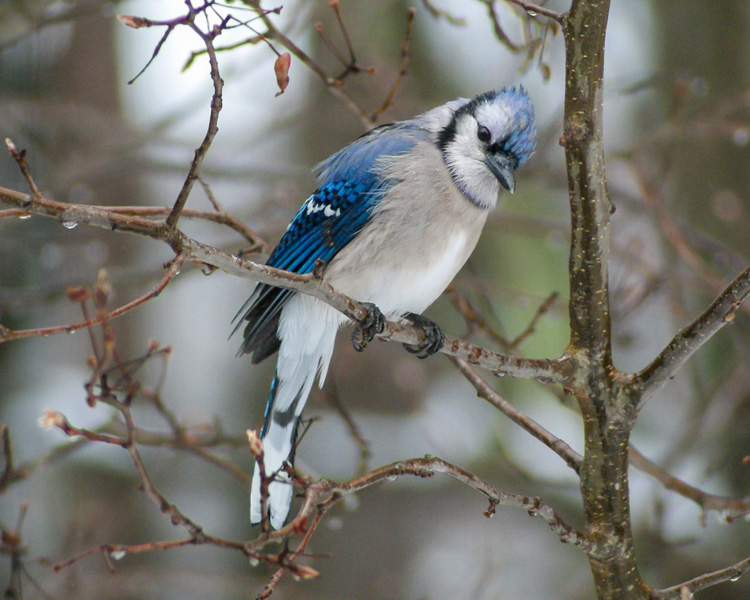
(352, 184)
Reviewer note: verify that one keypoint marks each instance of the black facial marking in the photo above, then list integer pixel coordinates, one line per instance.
(449, 132)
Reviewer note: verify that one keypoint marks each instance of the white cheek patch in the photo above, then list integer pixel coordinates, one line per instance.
(465, 158)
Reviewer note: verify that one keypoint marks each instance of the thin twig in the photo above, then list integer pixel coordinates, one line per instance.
(7, 456)
(335, 6)
(174, 268)
(428, 465)
(53, 418)
(354, 431)
(498, 28)
(20, 157)
(330, 82)
(350, 66)
(729, 508)
(410, 13)
(176, 516)
(534, 9)
(686, 589)
(213, 124)
(157, 48)
(255, 39)
(24, 470)
(257, 244)
(474, 319)
(439, 13)
(558, 446)
(540, 312)
(120, 551)
(188, 440)
(688, 340)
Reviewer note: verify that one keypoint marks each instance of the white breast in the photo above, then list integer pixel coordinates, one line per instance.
(415, 283)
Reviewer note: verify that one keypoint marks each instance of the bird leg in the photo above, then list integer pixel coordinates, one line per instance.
(433, 336)
(372, 325)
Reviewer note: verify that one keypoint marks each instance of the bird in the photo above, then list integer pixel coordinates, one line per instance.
(395, 216)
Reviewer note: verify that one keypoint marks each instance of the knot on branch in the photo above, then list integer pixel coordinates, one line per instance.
(578, 130)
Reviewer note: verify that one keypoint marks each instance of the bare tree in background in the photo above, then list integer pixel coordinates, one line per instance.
(584, 376)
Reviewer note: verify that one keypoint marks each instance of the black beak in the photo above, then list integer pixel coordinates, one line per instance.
(502, 168)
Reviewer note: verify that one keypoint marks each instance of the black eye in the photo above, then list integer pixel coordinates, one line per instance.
(483, 134)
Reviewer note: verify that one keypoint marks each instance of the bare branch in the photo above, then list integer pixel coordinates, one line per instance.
(11, 544)
(590, 206)
(729, 508)
(23, 470)
(146, 23)
(219, 216)
(689, 340)
(474, 319)
(332, 84)
(607, 416)
(686, 589)
(546, 370)
(498, 28)
(354, 430)
(174, 268)
(439, 13)
(20, 157)
(53, 418)
(534, 506)
(213, 122)
(335, 5)
(350, 65)
(7, 450)
(120, 551)
(540, 312)
(535, 9)
(426, 467)
(561, 448)
(410, 13)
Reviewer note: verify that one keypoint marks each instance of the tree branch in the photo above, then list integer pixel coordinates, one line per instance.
(687, 341)
(426, 467)
(550, 371)
(686, 590)
(174, 268)
(535, 9)
(729, 508)
(274, 32)
(213, 122)
(410, 13)
(585, 26)
(558, 446)
(607, 414)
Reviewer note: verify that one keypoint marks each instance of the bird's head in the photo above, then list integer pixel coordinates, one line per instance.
(486, 140)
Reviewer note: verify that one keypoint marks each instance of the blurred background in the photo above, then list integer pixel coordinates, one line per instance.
(677, 133)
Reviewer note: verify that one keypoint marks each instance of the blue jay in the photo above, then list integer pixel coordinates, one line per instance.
(397, 214)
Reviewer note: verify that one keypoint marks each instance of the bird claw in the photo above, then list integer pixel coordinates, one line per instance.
(372, 325)
(433, 336)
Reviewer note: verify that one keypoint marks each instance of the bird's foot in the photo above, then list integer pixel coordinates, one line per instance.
(365, 332)
(433, 336)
